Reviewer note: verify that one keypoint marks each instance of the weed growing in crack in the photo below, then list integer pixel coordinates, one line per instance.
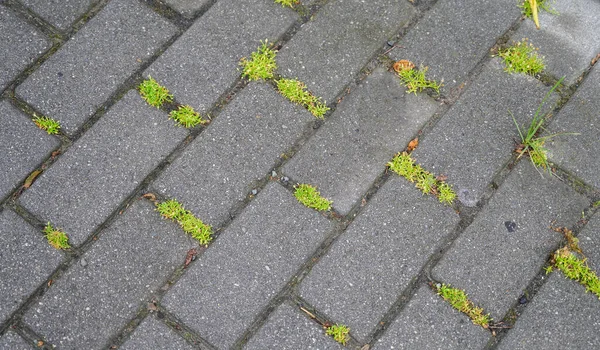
(339, 332)
(577, 270)
(310, 197)
(153, 93)
(296, 92)
(262, 63)
(288, 3)
(56, 237)
(458, 299)
(403, 165)
(186, 116)
(173, 210)
(414, 79)
(47, 124)
(521, 57)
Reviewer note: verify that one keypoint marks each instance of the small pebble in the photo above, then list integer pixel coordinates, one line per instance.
(273, 173)
(523, 300)
(286, 179)
(390, 43)
(83, 262)
(254, 192)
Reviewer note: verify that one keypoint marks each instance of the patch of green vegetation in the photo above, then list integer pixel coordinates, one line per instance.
(521, 57)
(186, 116)
(296, 92)
(458, 299)
(415, 80)
(56, 237)
(545, 5)
(288, 3)
(339, 332)
(262, 63)
(173, 210)
(310, 197)
(577, 269)
(154, 94)
(403, 165)
(596, 205)
(47, 124)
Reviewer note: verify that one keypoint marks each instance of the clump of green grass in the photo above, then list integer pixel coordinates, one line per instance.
(262, 63)
(296, 92)
(545, 5)
(339, 332)
(577, 269)
(521, 57)
(186, 116)
(173, 210)
(47, 124)
(57, 238)
(288, 3)
(415, 80)
(458, 299)
(403, 165)
(154, 94)
(310, 197)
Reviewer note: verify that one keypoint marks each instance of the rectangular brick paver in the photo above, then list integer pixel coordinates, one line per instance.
(429, 322)
(153, 334)
(328, 52)
(101, 169)
(238, 148)
(99, 294)
(371, 125)
(77, 79)
(26, 261)
(509, 241)
(379, 254)
(187, 7)
(203, 63)
(246, 266)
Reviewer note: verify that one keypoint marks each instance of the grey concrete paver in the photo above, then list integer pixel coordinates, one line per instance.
(12, 341)
(202, 64)
(378, 255)
(26, 261)
(246, 266)
(153, 334)
(187, 7)
(328, 52)
(288, 329)
(20, 45)
(60, 13)
(507, 244)
(236, 150)
(453, 37)
(589, 242)
(352, 148)
(579, 153)
(77, 79)
(100, 293)
(101, 169)
(428, 322)
(477, 135)
(23, 147)
(568, 41)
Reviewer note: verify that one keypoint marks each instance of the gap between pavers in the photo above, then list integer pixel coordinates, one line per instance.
(60, 13)
(153, 334)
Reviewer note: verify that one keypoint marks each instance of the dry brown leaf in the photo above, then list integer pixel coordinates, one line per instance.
(40, 343)
(190, 256)
(150, 196)
(595, 59)
(412, 145)
(403, 65)
(441, 178)
(31, 178)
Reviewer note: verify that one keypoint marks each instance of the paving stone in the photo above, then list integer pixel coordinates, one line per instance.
(153, 334)
(133, 258)
(238, 149)
(428, 322)
(60, 13)
(477, 135)
(371, 125)
(12, 341)
(579, 153)
(329, 51)
(26, 261)
(20, 45)
(379, 254)
(187, 7)
(568, 41)
(78, 78)
(589, 241)
(246, 266)
(23, 147)
(101, 169)
(288, 329)
(204, 61)
(561, 316)
(491, 263)
(453, 37)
